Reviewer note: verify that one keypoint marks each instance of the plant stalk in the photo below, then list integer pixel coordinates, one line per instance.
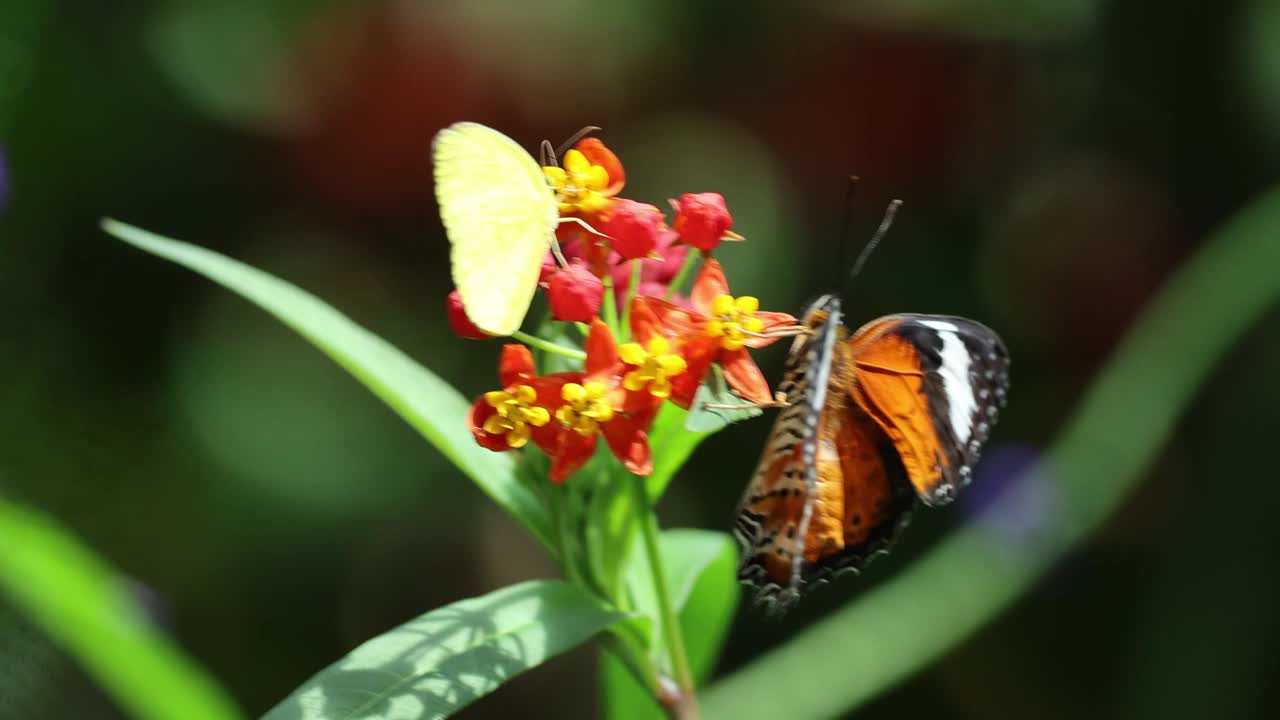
(637, 267)
(548, 346)
(610, 306)
(689, 260)
(683, 703)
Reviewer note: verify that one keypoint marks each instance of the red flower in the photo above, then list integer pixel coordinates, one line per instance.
(634, 228)
(507, 419)
(574, 293)
(458, 320)
(564, 413)
(599, 405)
(594, 150)
(703, 220)
(719, 328)
(591, 175)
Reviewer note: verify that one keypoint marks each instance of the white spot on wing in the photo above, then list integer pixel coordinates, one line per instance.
(955, 378)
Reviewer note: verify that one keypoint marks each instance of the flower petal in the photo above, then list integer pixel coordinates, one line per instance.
(550, 389)
(629, 442)
(480, 412)
(772, 321)
(595, 151)
(515, 365)
(699, 353)
(602, 352)
(572, 451)
(710, 284)
(651, 317)
(744, 376)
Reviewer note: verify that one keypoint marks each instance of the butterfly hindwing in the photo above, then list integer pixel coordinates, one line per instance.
(775, 512)
(935, 385)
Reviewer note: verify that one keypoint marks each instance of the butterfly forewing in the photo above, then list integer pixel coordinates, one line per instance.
(935, 384)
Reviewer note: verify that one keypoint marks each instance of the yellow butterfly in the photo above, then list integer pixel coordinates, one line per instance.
(500, 215)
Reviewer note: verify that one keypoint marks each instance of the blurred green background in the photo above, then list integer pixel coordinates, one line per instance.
(1056, 158)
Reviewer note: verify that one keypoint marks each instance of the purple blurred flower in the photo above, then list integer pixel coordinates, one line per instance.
(1014, 497)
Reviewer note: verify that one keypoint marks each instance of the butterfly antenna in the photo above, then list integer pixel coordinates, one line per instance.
(886, 223)
(573, 139)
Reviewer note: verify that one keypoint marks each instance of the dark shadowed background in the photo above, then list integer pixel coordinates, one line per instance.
(1056, 158)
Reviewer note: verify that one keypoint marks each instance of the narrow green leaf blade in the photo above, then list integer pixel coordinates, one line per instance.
(434, 665)
(80, 602)
(426, 402)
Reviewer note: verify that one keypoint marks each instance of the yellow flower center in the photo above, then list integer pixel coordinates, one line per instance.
(732, 320)
(578, 183)
(587, 407)
(654, 365)
(515, 414)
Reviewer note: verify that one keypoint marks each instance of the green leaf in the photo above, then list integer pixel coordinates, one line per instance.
(1123, 421)
(86, 607)
(712, 419)
(701, 569)
(611, 525)
(426, 402)
(672, 445)
(709, 599)
(444, 660)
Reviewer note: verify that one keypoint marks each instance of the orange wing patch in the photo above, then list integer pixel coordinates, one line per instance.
(862, 498)
(890, 388)
(935, 384)
(877, 496)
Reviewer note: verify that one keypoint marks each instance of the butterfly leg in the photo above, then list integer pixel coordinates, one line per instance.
(555, 246)
(781, 332)
(779, 401)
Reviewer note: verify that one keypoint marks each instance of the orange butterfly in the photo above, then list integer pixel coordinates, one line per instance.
(871, 423)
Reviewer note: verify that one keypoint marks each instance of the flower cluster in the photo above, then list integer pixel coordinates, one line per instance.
(661, 350)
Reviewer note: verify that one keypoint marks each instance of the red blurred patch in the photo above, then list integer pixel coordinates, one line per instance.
(381, 91)
(904, 110)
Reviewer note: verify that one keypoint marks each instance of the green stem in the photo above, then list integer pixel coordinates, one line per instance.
(667, 615)
(564, 538)
(641, 667)
(547, 346)
(685, 269)
(636, 268)
(610, 305)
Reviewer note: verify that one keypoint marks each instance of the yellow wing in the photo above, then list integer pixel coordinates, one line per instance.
(500, 214)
